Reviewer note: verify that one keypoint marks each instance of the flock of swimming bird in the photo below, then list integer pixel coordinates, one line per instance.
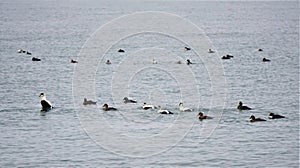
(46, 105)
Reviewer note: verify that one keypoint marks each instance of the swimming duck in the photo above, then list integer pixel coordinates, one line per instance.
(266, 60)
(201, 116)
(127, 100)
(241, 107)
(226, 57)
(188, 62)
(28, 53)
(184, 109)
(161, 111)
(146, 106)
(106, 108)
(35, 59)
(120, 50)
(210, 51)
(275, 116)
(108, 62)
(154, 61)
(73, 61)
(46, 105)
(253, 119)
(187, 48)
(87, 102)
(260, 49)
(19, 51)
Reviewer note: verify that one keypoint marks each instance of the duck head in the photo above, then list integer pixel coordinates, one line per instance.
(200, 114)
(42, 96)
(252, 117)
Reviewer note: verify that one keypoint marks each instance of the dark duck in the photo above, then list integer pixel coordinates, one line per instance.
(275, 116)
(201, 116)
(241, 107)
(127, 100)
(107, 108)
(253, 119)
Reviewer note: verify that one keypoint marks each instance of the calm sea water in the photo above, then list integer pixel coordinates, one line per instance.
(55, 31)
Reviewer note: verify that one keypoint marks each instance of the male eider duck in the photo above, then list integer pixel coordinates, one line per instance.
(108, 62)
(275, 116)
(46, 105)
(146, 106)
(106, 108)
(188, 62)
(201, 116)
(253, 119)
(87, 102)
(210, 51)
(74, 61)
(35, 59)
(161, 111)
(241, 107)
(187, 48)
(266, 60)
(127, 100)
(120, 50)
(184, 109)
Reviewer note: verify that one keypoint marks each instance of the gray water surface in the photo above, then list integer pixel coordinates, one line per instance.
(55, 31)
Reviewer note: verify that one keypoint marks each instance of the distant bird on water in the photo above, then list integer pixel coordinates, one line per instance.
(275, 116)
(266, 60)
(108, 62)
(224, 57)
(184, 109)
(23, 51)
(107, 108)
(146, 106)
(127, 100)
(253, 119)
(188, 62)
(46, 105)
(227, 56)
(121, 50)
(35, 59)
(154, 61)
(163, 111)
(187, 48)
(201, 116)
(210, 51)
(74, 61)
(88, 102)
(241, 107)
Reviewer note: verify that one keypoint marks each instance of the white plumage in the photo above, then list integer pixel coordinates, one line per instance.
(184, 109)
